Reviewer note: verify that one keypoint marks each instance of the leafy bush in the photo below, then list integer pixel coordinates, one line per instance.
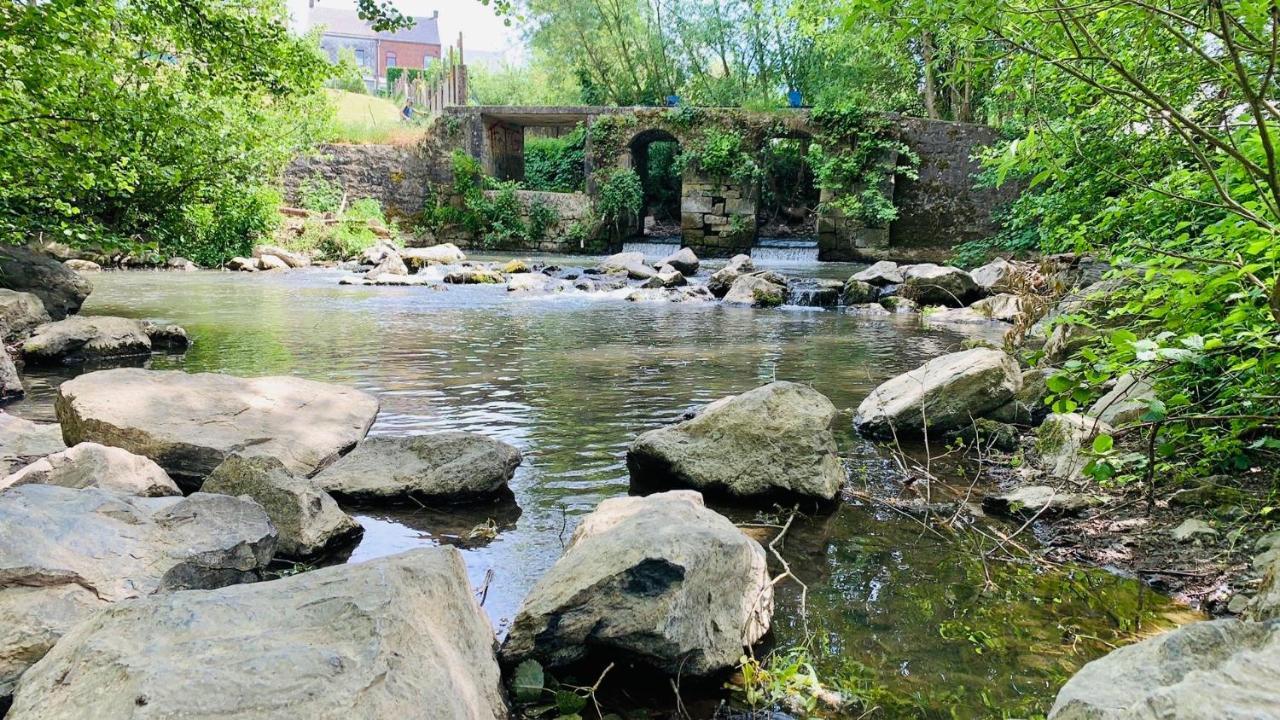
(556, 164)
(316, 193)
(854, 158)
(212, 233)
(619, 200)
(721, 154)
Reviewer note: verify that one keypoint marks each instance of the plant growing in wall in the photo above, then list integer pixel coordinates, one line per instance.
(854, 157)
(722, 153)
(619, 198)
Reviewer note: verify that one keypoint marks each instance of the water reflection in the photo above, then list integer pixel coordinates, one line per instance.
(571, 380)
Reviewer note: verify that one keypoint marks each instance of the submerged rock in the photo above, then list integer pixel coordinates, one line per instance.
(683, 260)
(397, 637)
(171, 338)
(61, 290)
(307, 519)
(1215, 669)
(65, 553)
(722, 280)
(815, 293)
(945, 393)
(98, 466)
(474, 276)
(515, 267)
(1039, 500)
(82, 339)
(446, 466)
(930, 284)
(190, 423)
(1064, 440)
(20, 313)
(660, 580)
(756, 290)
(774, 440)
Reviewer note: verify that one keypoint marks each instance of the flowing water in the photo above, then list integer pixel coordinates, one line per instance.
(912, 621)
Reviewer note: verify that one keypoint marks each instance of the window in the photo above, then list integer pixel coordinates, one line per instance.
(360, 57)
(391, 59)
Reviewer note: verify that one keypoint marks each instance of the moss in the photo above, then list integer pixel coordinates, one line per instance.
(767, 298)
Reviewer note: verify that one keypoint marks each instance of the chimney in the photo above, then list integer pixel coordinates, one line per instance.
(435, 15)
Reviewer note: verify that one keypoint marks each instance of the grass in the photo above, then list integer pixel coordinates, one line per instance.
(368, 119)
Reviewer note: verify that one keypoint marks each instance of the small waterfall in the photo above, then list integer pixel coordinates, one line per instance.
(785, 251)
(653, 250)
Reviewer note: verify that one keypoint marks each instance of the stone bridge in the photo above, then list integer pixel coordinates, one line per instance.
(936, 210)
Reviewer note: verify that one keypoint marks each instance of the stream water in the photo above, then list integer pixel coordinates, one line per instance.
(912, 621)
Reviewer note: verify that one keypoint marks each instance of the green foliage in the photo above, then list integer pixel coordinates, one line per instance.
(351, 235)
(130, 119)
(854, 158)
(723, 154)
(556, 164)
(347, 73)
(540, 82)
(619, 199)
(662, 178)
(316, 193)
(211, 233)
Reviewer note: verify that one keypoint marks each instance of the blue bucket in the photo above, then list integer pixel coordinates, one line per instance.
(795, 99)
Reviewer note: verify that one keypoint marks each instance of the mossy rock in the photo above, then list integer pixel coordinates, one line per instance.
(1210, 493)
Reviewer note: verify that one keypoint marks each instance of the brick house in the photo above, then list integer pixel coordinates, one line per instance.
(375, 52)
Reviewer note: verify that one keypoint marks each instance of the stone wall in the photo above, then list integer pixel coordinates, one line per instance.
(568, 208)
(716, 219)
(394, 175)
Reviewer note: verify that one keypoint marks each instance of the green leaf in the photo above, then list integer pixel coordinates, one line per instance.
(569, 702)
(1103, 444)
(528, 681)
(1059, 383)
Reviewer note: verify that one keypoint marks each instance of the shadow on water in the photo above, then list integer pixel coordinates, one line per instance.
(914, 623)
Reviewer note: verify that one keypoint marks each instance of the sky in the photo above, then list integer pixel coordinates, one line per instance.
(481, 29)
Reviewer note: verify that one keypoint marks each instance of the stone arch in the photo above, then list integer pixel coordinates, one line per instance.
(789, 197)
(662, 193)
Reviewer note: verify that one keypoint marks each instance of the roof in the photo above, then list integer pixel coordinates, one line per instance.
(339, 21)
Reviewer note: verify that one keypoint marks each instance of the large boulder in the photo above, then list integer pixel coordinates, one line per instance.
(271, 262)
(660, 580)
(20, 313)
(1028, 404)
(390, 265)
(858, 292)
(1126, 402)
(447, 466)
(996, 276)
(929, 284)
(443, 254)
(308, 521)
(23, 442)
(65, 553)
(61, 289)
(397, 637)
(774, 440)
(631, 263)
(757, 290)
(531, 282)
(1218, 669)
(170, 338)
(683, 260)
(290, 258)
(90, 465)
(82, 339)
(1064, 441)
(11, 387)
(722, 280)
(190, 423)
(945, 393)
(882, 273)
(1003, 307)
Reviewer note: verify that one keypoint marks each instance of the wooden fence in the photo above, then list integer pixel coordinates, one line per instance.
(446, 89)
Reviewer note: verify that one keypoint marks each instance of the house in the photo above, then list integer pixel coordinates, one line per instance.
(415, 47)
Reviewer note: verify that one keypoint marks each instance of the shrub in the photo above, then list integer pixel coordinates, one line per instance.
(316, 193)
(556, 164)
(619, 200)
(212, 233)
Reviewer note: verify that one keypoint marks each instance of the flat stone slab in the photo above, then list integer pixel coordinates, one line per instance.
(397, 637)
(1041, 500)
(23, 442)
(446, 466)
(190, 423)
(92, 465)
(81, 339)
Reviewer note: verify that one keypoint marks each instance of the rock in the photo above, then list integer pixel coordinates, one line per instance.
(880, 274)
(666, 277)
(722, 280)
(995, 276)
(513, 267)
(190, 423)
(683, 260)
(899, 305)
(61, 290)
(242, 264)
(954, 316)
(474, 276)
(630, 263)
(535, 282)
(90, 465)
(271, 262)
(1065, 340)
(1213, 493)
(755, 290)
(774, 440)
(10, 381)
(180, 264)
(23, 442)
(945, 393)
(930, 284)
(660, 580)
(1005, 308)
(396, 281)
(86, 339)
(1126, 403)
(308, 521)
(986, 434)
(20, 312)
(1064, 440)
(1027, 406)
(1216, 669)
(170, 338)
(376, 253)
(390, 265)
(815, 293)
(446, 466)
(868, 310)
(83, 266)
(397, 637)
(1266, 603)
(288, 257)
(858, 292)
(1193, 529)
(443, 254)
(65, 553)
(1039, 500)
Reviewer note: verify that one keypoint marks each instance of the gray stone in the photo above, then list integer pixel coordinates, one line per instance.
(815, 293)
(1027, 406)
(660, 580)
(442, 254)
(86, 339)
(307, 519)
(1004, 307)
(446, 466)
(858, 292)
(930, 284)
(20, 313)
(65, 553)
(83, 266)
(60, 289)
(683, 260)
(23, 442)
(1193, 529)
(390, 265)
(397, 637)
(756, 290)
(290, 258)
(242, 264)
(90, 465)
(1065, 340)
(180, 264)
(531, 282)
(995, 276)
(722, 280)
(377, 252)
(774, 440)
(1064, 441)
(667, 277)
(868, 310)
(1039, 500)
(880, 274)
(631, 263)
(190, 423)
(11, 387)
(170, 338)
(1127, 401)
(270, 263)
(1266, 603)
(474, 276)
(945, 393)
(1217, 669)
(900, 305)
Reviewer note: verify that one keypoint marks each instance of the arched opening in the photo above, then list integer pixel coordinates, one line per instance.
(789, 196)
(655, 158)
